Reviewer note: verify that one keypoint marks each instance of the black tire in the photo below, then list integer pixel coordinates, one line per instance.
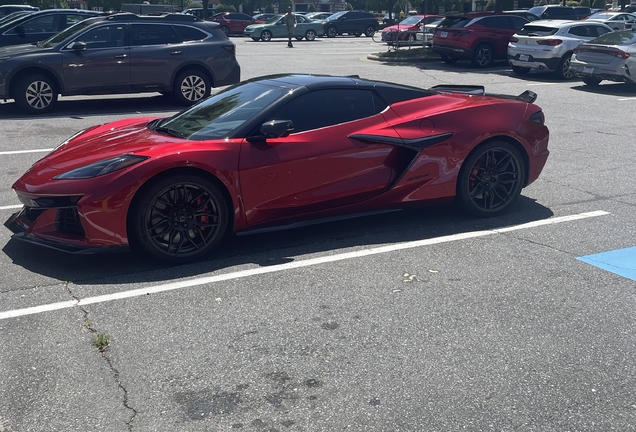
(491, 179)
(520, 70)
(369, 31)
(332, 32)
(178, 219)
(266, 36)
(256, 39)
(35, 94)
(447, 59)
(310, 35)
(483, 56)
(191, 86)
(299, 38)
(592, 81)
(563, 71)
(225, 30)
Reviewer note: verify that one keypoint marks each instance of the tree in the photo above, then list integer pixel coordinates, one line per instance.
(225, 8)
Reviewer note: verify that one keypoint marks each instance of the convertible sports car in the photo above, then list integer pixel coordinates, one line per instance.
(277, 149)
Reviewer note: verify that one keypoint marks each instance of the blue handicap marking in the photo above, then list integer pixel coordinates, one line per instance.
(620, 261)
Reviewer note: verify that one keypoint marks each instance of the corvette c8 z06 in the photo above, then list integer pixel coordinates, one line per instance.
(261, 153)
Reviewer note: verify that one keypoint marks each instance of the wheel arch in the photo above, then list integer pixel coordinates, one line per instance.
(33, 70)
(229, 201)
(194, 66)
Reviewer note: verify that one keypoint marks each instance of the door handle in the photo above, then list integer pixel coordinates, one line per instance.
(175, 52)
(121, 56)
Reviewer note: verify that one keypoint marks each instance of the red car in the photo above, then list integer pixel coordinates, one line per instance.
(233, 22)
(481, 37)
(407, 28)
(278, 149)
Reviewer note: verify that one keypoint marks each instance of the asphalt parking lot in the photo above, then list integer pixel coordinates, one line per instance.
(415, 320)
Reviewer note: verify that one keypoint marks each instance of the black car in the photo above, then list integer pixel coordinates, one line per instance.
(554, 12)
(351, 22)
(9, 9)
(41, 25)
(174, 54)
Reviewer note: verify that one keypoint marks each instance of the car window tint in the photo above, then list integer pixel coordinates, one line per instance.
(189, 33)
(153, 34)
(74, 19)
(454, 22)
(584, 31)
(536, 30)
(518, 22)
(494, 22)
(109, 36)
(44, 24)
(335, 107)
(601, 30)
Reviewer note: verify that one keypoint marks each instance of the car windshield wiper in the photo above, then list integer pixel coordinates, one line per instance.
(169, 131)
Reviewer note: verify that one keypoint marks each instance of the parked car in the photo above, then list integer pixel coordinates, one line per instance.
(480, 37)
(233, 22)
(611, 57)
(547, 45)
(616, 20)
(9, 9)
(350, 22)
(41, 25)
(406, 30)
(276, 28)
(554, 12)
(630, 8)
(122, 53)
(263, 16)
(198, 12)
(318, 16)
(525, 14)
(425, 35)
(278, 149)
(582, 12)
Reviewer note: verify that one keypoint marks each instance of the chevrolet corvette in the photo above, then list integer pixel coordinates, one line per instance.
(275, 150)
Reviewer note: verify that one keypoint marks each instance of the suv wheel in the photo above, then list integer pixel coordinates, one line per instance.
(191, 86)
(332, 32)
(35, 94)
(563, 70)
(370, 30)
(483, 56)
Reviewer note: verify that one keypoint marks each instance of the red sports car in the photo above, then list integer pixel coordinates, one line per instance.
(276, 149)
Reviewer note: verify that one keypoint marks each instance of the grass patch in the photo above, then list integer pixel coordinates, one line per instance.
(101, 341)
(407, 53)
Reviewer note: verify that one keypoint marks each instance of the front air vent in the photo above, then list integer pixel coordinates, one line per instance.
(68, 222)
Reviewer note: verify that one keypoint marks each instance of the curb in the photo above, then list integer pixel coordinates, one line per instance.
(403, 60)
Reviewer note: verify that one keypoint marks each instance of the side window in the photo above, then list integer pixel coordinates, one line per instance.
(189, 33)
(601, 30)
(300, 19)
(494, 22)
(152, 34)
(44, 24)
(110, 36)
(518, 22)
(581, 31)
(73, 19)
(336, 106)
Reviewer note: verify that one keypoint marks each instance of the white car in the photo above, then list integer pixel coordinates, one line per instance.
(547, 45)
(616, 20)
(425, 35)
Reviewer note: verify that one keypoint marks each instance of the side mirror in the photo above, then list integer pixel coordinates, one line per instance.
(277, 128)
(78, 46)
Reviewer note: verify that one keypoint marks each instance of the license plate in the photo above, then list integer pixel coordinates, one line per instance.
(443, 34)
(523, 57)
(588, 70)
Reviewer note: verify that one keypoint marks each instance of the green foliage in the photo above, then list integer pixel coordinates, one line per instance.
(572, 3)
(311, 8)
(269, 9)
(348, 6)
(544, 2)
(225, 8)
(101, 341)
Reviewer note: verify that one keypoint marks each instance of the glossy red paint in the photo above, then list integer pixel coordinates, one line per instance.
(284, 178)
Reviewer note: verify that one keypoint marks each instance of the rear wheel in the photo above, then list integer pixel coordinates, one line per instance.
(592, 81)
(225, 30)
(332, 32)
(35, 94)
(178, 219)
(266, 35)
(310, 35)
(563, 70)
(483, 56)
(491, 179)
(191, 86)
(369, 31)
(520, 70)
(447, 59)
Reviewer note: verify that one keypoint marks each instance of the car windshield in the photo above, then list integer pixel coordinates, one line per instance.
(65, 34)
(624, 37)
(336, 15)
(412, 20)
(220, 115)
(601, 16)
(537, 10)
(537, 30)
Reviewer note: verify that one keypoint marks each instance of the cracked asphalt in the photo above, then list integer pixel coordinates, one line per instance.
(502, 332)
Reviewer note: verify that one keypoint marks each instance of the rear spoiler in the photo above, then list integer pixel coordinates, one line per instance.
(527, 96)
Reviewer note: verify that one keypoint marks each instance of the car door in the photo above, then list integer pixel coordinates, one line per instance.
(103, 65)
(316, 167)
(238, 21)
(156, 51)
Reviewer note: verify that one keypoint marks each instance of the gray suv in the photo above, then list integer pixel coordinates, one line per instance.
(124, 53)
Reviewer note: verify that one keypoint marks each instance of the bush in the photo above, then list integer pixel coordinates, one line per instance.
(225, 8)
(572, 3)
(348, 6)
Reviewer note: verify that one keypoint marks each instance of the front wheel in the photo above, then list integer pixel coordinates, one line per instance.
(563, 69)
(178, 219)
(191, 86)
(491, 179)
(483, 56)
(35, 94)
(369, 31)
(332, 32)
(266, 35)
(310, 35)
(592, 81)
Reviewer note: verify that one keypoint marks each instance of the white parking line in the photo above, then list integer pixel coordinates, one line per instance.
(48, 150)
(288, 266)
(11, 207)
(540, 84)
(627, 98)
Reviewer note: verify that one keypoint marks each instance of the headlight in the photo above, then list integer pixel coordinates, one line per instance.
(101, 168)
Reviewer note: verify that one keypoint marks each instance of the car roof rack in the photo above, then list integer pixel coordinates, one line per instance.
(127, 16)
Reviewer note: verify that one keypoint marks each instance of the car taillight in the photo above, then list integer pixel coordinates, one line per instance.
(550, 42)
(230, 48)
(514, 39)
(538, 118)
(622, 54)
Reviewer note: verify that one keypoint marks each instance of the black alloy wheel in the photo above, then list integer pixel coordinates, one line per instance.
(191, 86)
(35, 94)
(563, 69)
(370, 31)
(332, 32)
(178, 219)
(491, 179)
(483, 56)
(225, 30)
